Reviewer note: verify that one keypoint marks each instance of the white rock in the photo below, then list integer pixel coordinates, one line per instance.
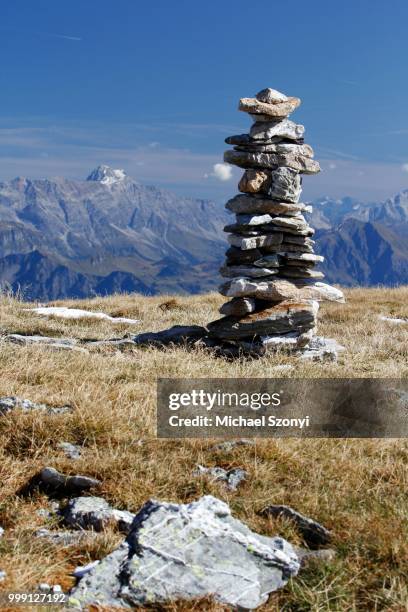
(393, 320)
(76, 313)
(271, 96)
(84, 569)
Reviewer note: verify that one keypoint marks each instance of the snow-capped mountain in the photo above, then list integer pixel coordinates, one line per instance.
(61, 238)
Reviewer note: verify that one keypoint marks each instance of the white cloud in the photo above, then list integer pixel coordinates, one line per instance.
(222, 172)
(404, 167)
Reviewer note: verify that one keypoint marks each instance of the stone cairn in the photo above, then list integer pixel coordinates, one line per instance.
(270, 264)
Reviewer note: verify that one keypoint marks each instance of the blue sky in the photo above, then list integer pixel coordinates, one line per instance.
(153, 88)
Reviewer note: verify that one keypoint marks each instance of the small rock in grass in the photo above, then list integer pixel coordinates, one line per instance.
(95, 513)
(72, 451)
(232, 478)
(313, 532)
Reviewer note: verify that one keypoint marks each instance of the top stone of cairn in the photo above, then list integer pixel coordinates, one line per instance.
(270, 103)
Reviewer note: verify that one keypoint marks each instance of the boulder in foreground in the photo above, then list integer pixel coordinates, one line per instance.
(180, 552)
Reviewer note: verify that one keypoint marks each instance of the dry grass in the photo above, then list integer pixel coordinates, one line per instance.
(357, 488)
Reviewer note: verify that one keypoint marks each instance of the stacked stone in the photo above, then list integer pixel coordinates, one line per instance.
(273, 283)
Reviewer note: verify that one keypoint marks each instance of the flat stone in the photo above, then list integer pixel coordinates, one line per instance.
(290, 341)
(178, 334)
(298, 239)
(245, 140)
(81, 570)
(302, 257)
(245, 159)
(284, 317)
(232, 478)
(314, 534)
(255, 242)
(95, 513)
(271, 96)
(280, 148)
(248, 271)
(296, 225)
(268, 261)
(7, 404)
(322, 349)
(184, 552)
(258, 205)
(235, 256)
(291, 272)
(69, 344)
(277, 109)
(306, 273)
(238, 307)
(51, 479)
(265, 131)
(280, 289)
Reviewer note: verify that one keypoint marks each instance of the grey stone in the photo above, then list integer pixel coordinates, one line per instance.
(275, 110)
(236, 256)
(279, 319)
(298, 239)
(72, 451)
(245, 140)
(271, 96)
(52, 479)
(232, 478)
(183, 552)
(268, 261)
(285, 185)
(313, 533)
(281, 129)
(245, 159)
(322, 349)
(55, 343)
(95, 513)
(280, 289)
(7, 404)
(305, 258)
(178, 334)
(238, 307)
(291, 341)
(248, 271)
(277, 148)
(258, 205)
(255, 242)
(301, 273)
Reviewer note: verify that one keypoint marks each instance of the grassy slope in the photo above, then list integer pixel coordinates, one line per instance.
(356, 488)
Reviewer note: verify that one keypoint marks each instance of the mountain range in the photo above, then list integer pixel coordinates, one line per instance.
(62, 238)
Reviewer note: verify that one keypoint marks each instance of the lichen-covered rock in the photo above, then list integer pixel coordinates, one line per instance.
(248, 271)
(238, 307)
(183, 552)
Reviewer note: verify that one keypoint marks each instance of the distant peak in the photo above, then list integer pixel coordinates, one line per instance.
(106, 175)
